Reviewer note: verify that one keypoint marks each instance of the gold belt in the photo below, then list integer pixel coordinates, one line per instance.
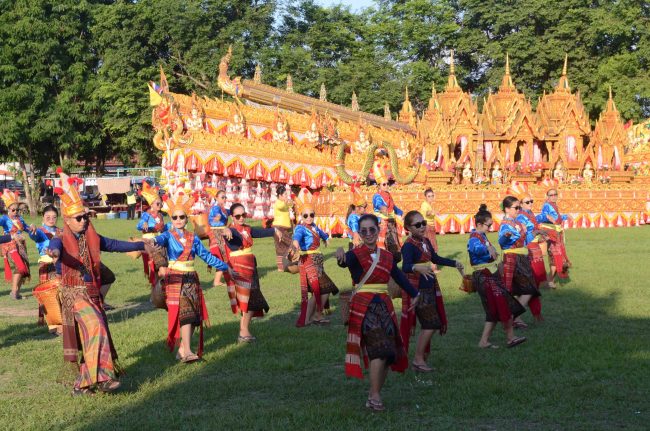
(218, 227)
(519, 250)
(150, 235)
(45, 259)
(305, 252)
(181, 265)
(493, 267)
(374, 288)
(242, 252)
(555, 227)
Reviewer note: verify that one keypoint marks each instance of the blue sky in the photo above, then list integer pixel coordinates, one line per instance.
(355, 4)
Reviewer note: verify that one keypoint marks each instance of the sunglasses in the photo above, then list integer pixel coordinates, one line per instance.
(552, 194)
(239, 216)
(528, 202)
(308, 215)
(84, 217)
(419, 224)
(179, 217)
(486, 225)
(369, 231)
(517, 207)
(13, 210)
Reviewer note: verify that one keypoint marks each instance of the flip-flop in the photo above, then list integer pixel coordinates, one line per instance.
(421, 368)
(321, 322)
(189, 358)
(519, 325)
(80, 392)
(247, 339)
(516, 341)
(375, 406)
(109, 386)
(489, 346)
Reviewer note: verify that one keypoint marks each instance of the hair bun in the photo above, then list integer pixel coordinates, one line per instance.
(482, 208)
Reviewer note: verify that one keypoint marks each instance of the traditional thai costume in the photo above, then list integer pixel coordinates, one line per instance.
(372, 329)
(497, 301)
(245, 294)
(14, 252)
(282, 222)
(555, 231)
(388, 236)
(352, 230)
(155, 226)
(535, 254)
(47, 269)
(430, 232)
(184, 297)
(85, 326)
(517, 272)
(218, 219)
(312, 274)
(430, 309)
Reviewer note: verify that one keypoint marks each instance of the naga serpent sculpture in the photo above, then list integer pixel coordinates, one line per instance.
(367, 166)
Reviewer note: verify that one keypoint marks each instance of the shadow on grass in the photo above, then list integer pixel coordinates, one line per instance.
(294, 377)
(22, 332)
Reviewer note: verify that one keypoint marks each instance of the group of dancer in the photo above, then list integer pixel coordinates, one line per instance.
(72, 255)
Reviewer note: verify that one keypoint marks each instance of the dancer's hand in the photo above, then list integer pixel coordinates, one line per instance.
(53, 253)
(414, 302)
(145, 227)
(340, 255)
(32, 229)
(425, 270)
(460, 267)
(227, 233)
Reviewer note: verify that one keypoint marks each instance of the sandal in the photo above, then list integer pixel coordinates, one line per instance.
(246, 339)
(421, 368)
(516, 341)
(374, 405)
(16, 296)
(489, 346)
(321, 322)
(109, 386)
(80, 392)
(189, 358)
(519, 325)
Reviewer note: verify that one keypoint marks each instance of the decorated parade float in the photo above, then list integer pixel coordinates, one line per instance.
(259, 136)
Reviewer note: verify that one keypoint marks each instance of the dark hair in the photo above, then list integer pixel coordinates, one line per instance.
(370, 217)
(280, 190)
(351, 209)
(408, 218)
(482, 215)
(236, 205)
(220, 191)
(508, 201)
(51, 208)
(427, 191)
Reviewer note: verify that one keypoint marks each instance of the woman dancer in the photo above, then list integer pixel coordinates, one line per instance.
(372, 330)
(534, 235)
(356, 209)
(219, 233)
(246, 296)
(282, 222)
(498, 303)
(517, 272)
(429, 214)
(307, 239)
(551, 221)
(418, 255)
(14, 252)
(186, 307)
(152, 224)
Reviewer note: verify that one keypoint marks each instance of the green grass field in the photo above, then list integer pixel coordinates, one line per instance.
(587, 367)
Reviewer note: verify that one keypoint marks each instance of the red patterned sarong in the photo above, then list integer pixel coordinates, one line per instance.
(536, 258)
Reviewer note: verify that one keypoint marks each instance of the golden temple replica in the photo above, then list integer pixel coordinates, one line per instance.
(265, 136)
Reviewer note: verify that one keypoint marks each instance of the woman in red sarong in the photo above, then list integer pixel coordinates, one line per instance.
(151, 224)
(186, 308)
(14, 252)
(498, 303)
(246, 296)
(372, 330)
(551, 221)
(418, 259)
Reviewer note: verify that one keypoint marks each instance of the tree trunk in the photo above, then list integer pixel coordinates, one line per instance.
(31, 188)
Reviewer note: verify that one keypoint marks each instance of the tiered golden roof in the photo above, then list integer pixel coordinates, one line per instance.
(407, 113)
(609, 136)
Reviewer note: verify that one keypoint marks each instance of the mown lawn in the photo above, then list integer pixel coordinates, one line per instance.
(587, 367)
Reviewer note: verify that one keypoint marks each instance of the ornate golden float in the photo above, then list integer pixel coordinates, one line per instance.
(263, 133)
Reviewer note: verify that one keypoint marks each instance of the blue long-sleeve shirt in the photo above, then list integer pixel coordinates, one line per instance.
(529, 225)
(506, 241)
(378, 202)
(105, 244)
(151, 222)
(5, 238)
(41, 239)
(218, 217)
(548, 210)
(478, 252)
(412, 255)
(305, 238)
(237, 241)
(6, 223)
(353, 224)
(175, 249)
(357, 272)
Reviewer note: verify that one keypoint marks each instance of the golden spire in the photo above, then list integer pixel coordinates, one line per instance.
(323, 93)
(563, 83)
(257, 78)
(289, 84)
(387, 115)
(355, 103)
(506, 82)
(407, 113)
(611, 106)
(433, 101)
(452, 83)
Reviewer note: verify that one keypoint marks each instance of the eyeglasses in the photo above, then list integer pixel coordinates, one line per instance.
(419, 224)
(369, 231)
(179, 217)
(528, 202)
(516, 207)
(487, 225)
(552, 194)
(13, 210)
(308, 215)
(238, 216)
(84, 217)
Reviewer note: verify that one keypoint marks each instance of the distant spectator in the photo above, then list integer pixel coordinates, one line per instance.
(131, 199)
